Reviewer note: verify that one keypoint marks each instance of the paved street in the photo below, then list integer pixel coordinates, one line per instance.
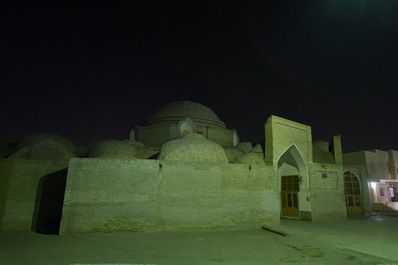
(372, 240)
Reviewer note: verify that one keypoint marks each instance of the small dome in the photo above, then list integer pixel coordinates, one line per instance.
(45, 146)
(258, 149)
(323, 145)
(180, 110)
(321, 153)
(113, 149)
(42, 137)
(233, 154)
(193, 147)
(246, 147)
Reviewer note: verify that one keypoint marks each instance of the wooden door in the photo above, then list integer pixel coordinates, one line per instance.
(289, 196)
(353, 196)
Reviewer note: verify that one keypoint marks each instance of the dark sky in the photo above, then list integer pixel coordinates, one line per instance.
(92, 72)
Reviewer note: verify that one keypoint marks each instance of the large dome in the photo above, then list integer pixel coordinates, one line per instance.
(165, 125)
(177, 111)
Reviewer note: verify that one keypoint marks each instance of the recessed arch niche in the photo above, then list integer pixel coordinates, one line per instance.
(292, 169)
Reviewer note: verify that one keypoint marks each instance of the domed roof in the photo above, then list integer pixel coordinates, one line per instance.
(45, 146)
(35, 138)
(177, 111)
(193, 147)
(233, 154)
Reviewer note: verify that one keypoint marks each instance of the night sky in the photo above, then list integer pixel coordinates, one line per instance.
(92, 72)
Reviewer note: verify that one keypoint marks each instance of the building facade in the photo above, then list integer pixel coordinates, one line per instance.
(374, 181)
(183, 169)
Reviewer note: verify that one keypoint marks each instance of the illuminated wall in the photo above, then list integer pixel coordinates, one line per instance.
(148, 195)
(289, 148)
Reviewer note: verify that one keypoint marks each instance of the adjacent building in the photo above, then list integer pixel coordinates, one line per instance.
(371, 181)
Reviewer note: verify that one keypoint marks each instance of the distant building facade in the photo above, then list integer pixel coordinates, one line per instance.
(376, 174)
(183, 169)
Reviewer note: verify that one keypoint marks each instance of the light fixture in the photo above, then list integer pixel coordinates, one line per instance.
(373, 185)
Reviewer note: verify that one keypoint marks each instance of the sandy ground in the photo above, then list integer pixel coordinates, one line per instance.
(371, 240)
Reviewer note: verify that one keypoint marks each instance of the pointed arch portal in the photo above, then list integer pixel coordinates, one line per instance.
(292, 170)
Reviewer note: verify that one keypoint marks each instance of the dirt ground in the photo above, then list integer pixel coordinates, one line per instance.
(366, 240)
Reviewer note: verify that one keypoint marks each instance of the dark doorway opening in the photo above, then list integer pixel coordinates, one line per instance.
(49, 202)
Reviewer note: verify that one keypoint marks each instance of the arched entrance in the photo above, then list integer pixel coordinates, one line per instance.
(353, 194)
(292, 172)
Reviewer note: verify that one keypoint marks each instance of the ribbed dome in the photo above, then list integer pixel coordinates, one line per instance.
(177, 111)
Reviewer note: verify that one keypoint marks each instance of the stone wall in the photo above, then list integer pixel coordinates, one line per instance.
(393, 163)
(377, 165)
(354, 158)
(147, 195)
(19, 183)
(327, 192)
